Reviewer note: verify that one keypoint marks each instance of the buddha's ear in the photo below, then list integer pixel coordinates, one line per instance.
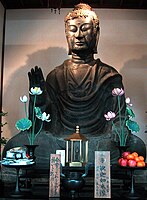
(96, 40)
(69, 46)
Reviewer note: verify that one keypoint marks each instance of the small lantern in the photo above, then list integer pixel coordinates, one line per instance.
(76, 149)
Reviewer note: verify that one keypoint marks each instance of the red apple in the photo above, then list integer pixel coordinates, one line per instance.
(125, 154)
(119, 160)
(123, 162)
(132, 163)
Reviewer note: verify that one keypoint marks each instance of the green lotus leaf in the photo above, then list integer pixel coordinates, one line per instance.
(23, 124)
(130, 112)
(132, 126)
(38, 112)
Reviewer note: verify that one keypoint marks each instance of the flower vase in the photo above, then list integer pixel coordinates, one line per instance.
(122, 149)
(31, 151)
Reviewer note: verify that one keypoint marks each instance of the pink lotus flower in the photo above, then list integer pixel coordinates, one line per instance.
(124, 120)
(110, 115)
(117, 92)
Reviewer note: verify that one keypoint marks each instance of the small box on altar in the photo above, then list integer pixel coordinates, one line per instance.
(62, 153)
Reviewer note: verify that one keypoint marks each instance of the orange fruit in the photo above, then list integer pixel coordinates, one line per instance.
(135, 154)
(141, 158)
(141, 164)
(137, 159)
(130, 157)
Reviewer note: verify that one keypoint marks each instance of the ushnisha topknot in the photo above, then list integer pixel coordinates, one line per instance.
(82, 6)
(83, 10)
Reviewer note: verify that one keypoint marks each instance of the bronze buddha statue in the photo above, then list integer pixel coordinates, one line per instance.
(78, 92)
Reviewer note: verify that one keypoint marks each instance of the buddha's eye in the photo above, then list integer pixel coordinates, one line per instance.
(72, 28)
(86, 27)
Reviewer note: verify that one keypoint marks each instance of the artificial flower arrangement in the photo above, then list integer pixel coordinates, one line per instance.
(30, 125)
(125, 121)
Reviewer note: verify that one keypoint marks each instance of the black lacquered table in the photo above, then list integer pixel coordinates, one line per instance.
(17, 166)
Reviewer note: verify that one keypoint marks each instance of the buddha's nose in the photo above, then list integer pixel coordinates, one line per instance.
(79, 33)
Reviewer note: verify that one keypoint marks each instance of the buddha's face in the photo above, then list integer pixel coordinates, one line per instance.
(80, 34)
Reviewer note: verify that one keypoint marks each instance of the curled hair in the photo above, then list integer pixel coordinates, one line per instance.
(83, 10)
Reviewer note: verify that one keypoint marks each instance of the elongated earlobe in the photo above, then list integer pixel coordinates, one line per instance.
(96, 42)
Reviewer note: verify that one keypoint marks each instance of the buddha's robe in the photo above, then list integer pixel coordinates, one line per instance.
(83, 102)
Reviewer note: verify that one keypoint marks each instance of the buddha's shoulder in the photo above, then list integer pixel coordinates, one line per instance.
(57, 70)
(106, 67)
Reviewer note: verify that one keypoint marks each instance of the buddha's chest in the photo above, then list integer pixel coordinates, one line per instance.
(79, 75)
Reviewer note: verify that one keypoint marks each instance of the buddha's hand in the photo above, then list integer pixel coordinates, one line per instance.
(36, 79)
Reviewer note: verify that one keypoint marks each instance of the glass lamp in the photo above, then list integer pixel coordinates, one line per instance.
(76, 149)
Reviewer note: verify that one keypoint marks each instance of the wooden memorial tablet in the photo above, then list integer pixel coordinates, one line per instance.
(102, 182)
(54, 180)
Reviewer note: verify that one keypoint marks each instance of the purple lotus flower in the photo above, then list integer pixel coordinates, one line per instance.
(117, 92)
(124, 120)
(110, 115)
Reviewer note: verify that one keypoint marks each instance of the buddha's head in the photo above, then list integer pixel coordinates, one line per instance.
(82, 29)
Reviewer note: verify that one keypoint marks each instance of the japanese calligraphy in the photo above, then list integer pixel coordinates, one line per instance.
(54, 182)
(102, 187)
